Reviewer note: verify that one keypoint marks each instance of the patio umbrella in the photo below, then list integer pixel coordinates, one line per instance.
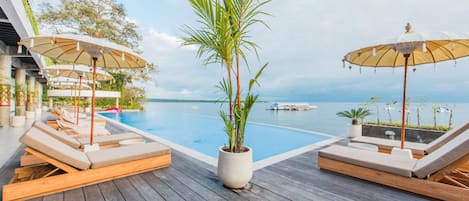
(85, 50)
(77, 72)
(411, 49)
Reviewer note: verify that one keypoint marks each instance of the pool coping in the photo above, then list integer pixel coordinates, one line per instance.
(214, 161)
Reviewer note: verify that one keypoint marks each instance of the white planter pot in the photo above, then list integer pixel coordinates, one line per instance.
(18, 121)
(355, 130)
(30, 115)
(235, 169)
(87, 109)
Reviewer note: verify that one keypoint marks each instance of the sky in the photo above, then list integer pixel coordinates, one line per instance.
(303, 48)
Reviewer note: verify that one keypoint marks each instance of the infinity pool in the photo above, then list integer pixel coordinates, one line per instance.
(206, 134)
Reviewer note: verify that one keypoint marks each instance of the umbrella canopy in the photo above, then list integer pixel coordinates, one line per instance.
(67, 85)
(77, 71)
(411, 49)
(86, 50)
(82, 49)
(52, 81)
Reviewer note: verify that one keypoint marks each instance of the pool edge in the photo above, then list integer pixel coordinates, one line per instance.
(214, 162)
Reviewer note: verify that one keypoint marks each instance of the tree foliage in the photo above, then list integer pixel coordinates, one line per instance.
(86, 17)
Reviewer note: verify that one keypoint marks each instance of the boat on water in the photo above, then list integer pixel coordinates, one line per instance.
(292, 106)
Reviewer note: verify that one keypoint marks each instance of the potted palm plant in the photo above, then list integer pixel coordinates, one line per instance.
(355, 128)
(223, 38)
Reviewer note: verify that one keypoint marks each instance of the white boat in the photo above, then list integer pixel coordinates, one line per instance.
(292, 106)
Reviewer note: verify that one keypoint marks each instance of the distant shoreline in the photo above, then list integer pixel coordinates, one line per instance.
(187, 100)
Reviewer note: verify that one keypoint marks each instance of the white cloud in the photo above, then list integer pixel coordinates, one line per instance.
(304, 47)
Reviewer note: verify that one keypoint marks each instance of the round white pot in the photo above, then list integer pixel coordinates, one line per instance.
(87, 109)
(235, 169)
(30, 115)
(355, 130)
(18, 121)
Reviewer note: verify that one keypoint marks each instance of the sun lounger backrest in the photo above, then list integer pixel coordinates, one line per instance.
(444, 156)
(58, 135)
(38, 140)
(437, 143)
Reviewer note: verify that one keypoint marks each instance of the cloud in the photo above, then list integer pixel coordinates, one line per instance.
(304, 47)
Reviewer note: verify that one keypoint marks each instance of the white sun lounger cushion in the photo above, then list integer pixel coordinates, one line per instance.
(445, 138)
(109, 139)
(58, 135)
(85, 132)
(444, 156)
(54, 148)
(374, 160)
(118, 155)
(388, 144)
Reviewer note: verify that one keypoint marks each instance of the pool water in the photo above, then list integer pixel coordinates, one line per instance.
(206, 134)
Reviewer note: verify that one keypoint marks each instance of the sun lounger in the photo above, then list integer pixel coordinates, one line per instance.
(82, 131)
(68, 168)
(419, 149)
(435, 175)
(108, 140)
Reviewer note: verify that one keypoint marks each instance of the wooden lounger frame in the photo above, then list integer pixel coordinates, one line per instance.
(58, 176)
(449, 183)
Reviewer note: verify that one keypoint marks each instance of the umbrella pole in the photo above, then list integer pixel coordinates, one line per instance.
(79, 93)
(75, 100)
(71, 99)
(404, 97)
(93, 99)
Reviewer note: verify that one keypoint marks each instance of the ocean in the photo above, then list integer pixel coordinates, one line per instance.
(323, 119)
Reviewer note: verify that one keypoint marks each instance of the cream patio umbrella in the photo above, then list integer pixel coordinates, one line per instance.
(69, 83)
(87, 50)
(411, 49)
(77, 72)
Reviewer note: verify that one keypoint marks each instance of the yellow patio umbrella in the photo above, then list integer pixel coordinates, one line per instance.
(87, 50)
(411, 49)
(79, 72)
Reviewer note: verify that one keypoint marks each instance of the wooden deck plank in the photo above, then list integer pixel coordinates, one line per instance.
(93, 193)
(145, 189)
(192, 184)
(184, 191)
(163, 189)
(54, 197)
(74, 195)
(196, 168)
(110, 191)
(128, 190)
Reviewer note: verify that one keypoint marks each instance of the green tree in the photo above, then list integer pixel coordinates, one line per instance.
(86, 17)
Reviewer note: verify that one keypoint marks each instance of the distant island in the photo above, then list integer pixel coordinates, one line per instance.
(186, 100)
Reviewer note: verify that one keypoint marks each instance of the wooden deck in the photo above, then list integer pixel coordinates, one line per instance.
(297, 178)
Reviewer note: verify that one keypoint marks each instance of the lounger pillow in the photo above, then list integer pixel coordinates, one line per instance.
(36, 139)
(118, 155)
(58, 135)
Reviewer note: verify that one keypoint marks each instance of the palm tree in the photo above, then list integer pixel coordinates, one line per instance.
(213, 38)
(355, 114)
(243, 14)
(222, 37)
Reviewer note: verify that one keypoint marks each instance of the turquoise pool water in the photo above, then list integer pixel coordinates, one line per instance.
(206, 134)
